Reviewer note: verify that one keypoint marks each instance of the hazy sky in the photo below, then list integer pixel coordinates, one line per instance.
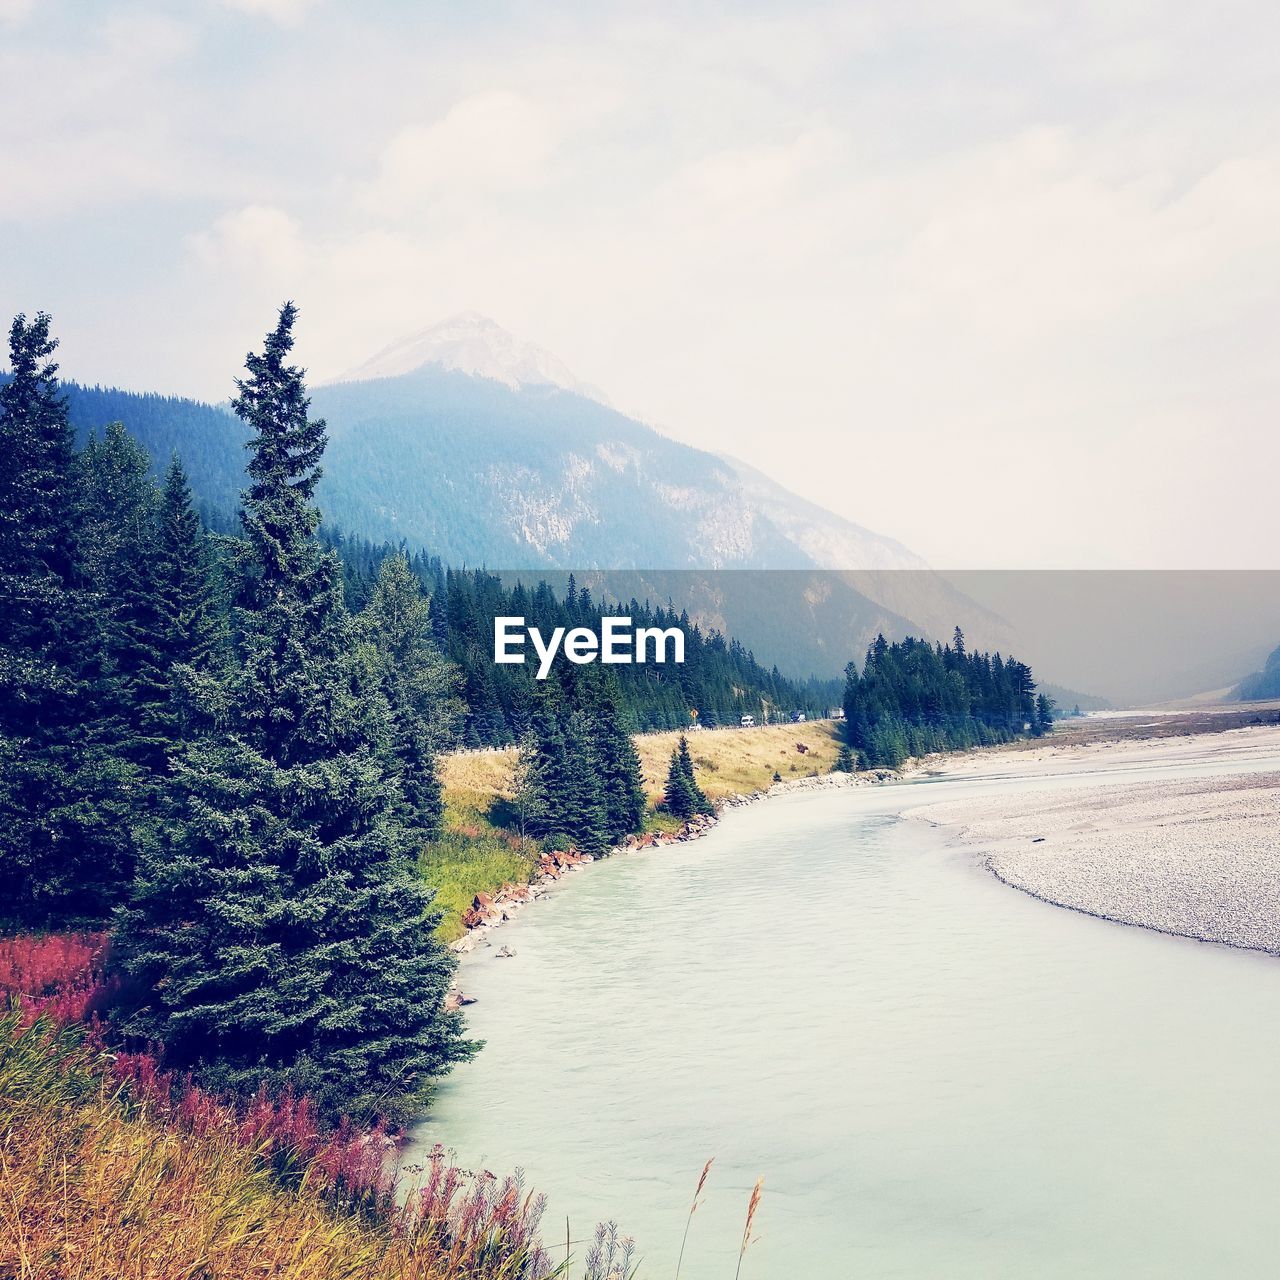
(1000, 278)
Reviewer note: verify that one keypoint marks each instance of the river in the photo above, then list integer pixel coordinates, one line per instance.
(935, 1074)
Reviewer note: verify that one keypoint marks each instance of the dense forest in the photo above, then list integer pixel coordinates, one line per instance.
(719, 679)
(913, 697)
(219, 738)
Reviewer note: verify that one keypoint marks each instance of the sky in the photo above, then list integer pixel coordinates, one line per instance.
(998, 279)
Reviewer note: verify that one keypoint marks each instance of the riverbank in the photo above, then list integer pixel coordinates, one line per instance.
(491, 909)
(1197, 856)
(1197, 862)
(480, 862)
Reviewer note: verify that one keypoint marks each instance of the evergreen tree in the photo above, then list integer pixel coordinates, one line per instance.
(188, 599)
(566, 802)
(677, 795)
(912, 698)
(845, 762)
(545, 768)
(278, 929)
(682, 796)
(618, 763)
(118, 505)
(1044, 715)
(701, 803)
(419, 685)
(584, 814)
(65, 836)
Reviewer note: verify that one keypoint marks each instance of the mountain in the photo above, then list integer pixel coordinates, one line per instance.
(528, 477)
(486, 451)
(473, 344)
(1261, 684)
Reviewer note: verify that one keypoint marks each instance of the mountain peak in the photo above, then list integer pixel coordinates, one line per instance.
(473, 344)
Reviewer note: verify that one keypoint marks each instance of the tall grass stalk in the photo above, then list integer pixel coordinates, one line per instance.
(752, 1205)
(693, 1208)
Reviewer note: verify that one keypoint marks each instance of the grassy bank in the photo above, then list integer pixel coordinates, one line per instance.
(98, 1184)
(476, 853)
(480, 851)
(739, 761)
(112, 1166)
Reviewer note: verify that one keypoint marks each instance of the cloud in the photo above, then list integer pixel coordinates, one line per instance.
(1001, 240)
(258, 239)
(286, 13)
(14, 12)
(487, 143)
(101, 116)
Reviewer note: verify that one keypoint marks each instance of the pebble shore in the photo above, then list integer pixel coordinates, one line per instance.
(1198, 857)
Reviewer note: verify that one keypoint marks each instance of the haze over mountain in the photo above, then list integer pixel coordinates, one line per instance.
(1261, 684)
(486, 454)
(486, 450)
(559, 459)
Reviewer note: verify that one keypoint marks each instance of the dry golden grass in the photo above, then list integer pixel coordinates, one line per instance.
(475, 855)
(474, 778)
(93, 1187)
(728, 761)
(89, 1194)
(738, 761)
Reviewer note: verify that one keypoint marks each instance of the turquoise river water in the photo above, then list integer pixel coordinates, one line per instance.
(936, 1075)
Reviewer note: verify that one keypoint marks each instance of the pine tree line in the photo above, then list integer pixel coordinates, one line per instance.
(720, 678)
(913, 697)
(578, 774)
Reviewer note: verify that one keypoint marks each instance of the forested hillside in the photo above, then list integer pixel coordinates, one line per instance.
(478, 473)
(719, 679)
(210, 440)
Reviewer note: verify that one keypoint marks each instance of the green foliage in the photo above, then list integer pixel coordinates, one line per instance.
(577, 779)
(681, 795)
(846, 762)
(118, 508)
(719, 678)
(277, 929)
(65, 836)
(419, 685)
(565, 802)
(609, 728)
(913, 698)
(458, 865)
(1045, 710)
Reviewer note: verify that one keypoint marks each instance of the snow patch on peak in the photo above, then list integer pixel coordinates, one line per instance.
(477, 346)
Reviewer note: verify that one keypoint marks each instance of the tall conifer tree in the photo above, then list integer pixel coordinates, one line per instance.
(118, 503)
(279, 929)
(188, 600)
(420, 686)
(65, 837)
(682, 795)
(621, 783)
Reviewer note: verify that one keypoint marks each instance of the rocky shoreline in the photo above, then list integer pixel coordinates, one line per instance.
(489, 911)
